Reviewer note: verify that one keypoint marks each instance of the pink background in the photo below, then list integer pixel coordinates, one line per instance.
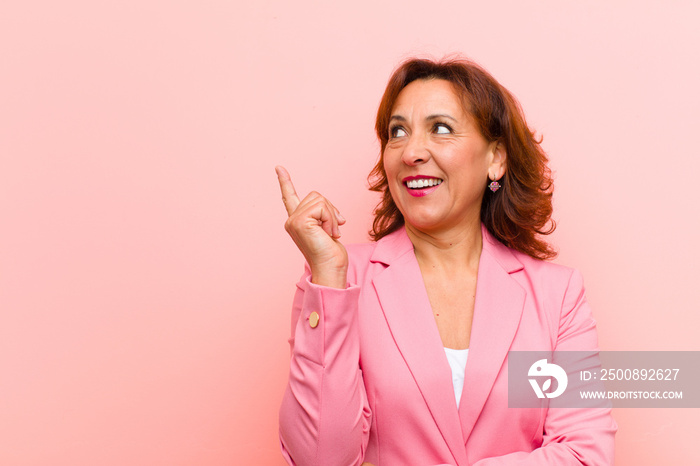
(145, 275)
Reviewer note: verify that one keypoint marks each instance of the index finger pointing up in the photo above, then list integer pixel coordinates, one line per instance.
(289, 194)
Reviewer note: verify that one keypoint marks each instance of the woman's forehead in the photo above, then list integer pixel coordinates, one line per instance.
(433, 95)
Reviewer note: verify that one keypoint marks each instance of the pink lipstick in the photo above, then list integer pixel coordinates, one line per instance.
(421, 185)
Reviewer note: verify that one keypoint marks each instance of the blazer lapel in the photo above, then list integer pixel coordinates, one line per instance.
(405, 304)
(497, 311)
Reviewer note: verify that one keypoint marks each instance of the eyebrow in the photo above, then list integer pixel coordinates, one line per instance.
(436, 116)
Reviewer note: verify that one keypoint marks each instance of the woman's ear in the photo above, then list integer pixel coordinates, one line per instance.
(499, 161)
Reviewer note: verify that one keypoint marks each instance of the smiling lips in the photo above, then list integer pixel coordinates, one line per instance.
(419, 186)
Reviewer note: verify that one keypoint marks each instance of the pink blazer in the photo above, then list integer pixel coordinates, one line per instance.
(371, 382)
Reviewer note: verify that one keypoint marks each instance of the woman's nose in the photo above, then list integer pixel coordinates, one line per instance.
(416, 150)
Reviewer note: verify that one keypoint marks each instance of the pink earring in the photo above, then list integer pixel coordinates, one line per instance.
(494, 185)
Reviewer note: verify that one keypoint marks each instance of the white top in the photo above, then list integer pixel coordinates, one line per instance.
(458, 361)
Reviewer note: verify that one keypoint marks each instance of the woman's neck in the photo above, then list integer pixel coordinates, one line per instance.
(451, 251)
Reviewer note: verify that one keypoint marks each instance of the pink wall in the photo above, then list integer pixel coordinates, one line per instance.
(145, 276)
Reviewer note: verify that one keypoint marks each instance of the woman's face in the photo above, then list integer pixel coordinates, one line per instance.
(436, 161)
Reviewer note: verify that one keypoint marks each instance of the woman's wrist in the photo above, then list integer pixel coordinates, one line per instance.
(332, 279)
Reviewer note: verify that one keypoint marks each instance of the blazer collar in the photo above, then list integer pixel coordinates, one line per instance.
(396, 244)
(391, 247)
(497, 310)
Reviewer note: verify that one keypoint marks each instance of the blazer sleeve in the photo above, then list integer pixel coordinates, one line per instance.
(324, 418)
(572, 436)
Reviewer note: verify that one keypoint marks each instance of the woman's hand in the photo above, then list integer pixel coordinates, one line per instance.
(313, 224)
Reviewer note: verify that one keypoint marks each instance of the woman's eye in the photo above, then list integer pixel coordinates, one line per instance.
(397, 132)
(442, 128)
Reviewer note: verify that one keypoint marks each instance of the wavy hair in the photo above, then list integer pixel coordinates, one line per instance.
(519, 212)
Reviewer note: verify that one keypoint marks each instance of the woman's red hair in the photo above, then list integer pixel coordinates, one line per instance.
(521, 210)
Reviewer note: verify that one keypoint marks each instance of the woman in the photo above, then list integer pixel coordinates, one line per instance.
(457, 272)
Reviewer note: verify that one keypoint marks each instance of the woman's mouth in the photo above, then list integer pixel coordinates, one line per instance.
(421, 186)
